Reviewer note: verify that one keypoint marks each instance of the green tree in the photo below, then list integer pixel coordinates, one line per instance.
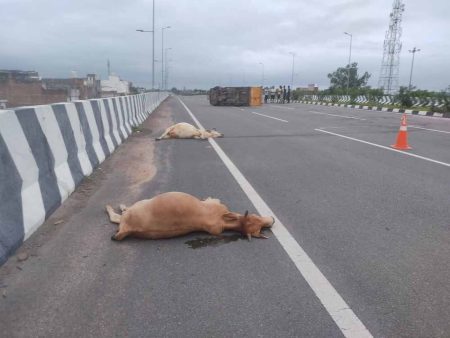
(340, 78)
(404, 97)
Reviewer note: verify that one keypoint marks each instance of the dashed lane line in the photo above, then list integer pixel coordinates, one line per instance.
(270, 117)
(336, 115)
(435, 130)
(384, 147)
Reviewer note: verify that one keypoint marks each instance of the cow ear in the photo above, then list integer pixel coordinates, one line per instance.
(230, 216)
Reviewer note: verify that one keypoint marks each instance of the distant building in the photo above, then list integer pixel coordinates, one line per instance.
(76, 88)
(114, 86)
(311, 88)
(26, 88)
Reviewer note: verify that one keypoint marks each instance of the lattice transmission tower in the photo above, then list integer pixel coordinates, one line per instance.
(391, 54)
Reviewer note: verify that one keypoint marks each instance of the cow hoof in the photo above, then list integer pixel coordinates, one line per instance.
(113, 237)
(157, 139)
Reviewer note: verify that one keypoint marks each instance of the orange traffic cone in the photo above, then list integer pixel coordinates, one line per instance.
(402, 136)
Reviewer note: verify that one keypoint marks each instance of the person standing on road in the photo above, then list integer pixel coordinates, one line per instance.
(288, 97)
(279, 90)
(266, 94)
(272, 94)
(284, 94)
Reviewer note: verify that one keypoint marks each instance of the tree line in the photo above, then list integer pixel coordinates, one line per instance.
(347, 81)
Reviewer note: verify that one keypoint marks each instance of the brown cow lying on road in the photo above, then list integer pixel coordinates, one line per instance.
(186, 130)
(175, 213)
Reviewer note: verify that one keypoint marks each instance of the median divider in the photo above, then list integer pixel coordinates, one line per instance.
(46, 151)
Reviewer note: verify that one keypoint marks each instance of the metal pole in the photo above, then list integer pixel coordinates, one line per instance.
(349, 60)
(413, 51)
(292, 75)
(153, 48)
(166, 68)
(162, 55)
(153, 59)
(262, 80)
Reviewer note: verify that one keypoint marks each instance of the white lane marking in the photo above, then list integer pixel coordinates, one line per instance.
(436, 130)
(384, 147)
(270, 117)
(340, 312)
(283, 107)
(336, 115)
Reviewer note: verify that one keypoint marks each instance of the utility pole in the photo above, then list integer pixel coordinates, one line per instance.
(349, 60)
(292, 74)
(153, 53)
(166, 74)
(262, 80)
(162, 55)
(413, 51)
(153, 47)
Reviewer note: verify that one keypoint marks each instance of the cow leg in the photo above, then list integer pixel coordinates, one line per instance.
(113, 217)
(120, 235)
(164, 135)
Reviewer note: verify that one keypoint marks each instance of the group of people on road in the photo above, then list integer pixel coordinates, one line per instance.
(277, 95)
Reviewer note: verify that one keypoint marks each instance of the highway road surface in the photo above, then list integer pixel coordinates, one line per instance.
(360, 248)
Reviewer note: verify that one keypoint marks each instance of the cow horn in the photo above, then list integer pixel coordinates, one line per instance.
(246, 213)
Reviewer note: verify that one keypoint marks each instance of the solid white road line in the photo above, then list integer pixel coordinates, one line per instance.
(343, 316)
(270, 117)
(435, 130)
(384, 147)
(336, 115)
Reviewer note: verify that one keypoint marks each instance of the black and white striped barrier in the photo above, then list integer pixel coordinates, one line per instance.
(45, 152)
(384, 100)
(394, 110)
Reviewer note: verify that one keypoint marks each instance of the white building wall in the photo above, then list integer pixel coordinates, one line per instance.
(115, 84)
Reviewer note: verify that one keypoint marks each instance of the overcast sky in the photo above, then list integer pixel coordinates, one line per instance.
(222, 42)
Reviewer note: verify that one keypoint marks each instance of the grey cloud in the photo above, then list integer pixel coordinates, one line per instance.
(218, 42)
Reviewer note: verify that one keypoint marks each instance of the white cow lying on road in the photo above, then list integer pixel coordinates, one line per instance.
(186, 130)
(176, 213)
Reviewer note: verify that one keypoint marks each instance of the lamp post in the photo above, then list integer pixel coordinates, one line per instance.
(167, 67)
(349, 59)
(262, 80)
(162, 54)
(153, 53)
(413, 51)
(292, 74)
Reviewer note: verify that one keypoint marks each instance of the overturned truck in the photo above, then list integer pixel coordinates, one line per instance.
(235, 96)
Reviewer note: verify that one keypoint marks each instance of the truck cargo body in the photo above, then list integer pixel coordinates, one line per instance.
(235, 96)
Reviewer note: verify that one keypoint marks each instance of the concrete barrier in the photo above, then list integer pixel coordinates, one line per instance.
(45, 152)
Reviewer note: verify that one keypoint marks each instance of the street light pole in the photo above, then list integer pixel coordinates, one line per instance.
(262, 80)
(162, 55)
(349, 60)
(166, 68)
(413, 51)
(153, 47)
(153, 54)
(292, 74)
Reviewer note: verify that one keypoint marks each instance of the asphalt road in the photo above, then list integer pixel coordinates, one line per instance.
(374, 221)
